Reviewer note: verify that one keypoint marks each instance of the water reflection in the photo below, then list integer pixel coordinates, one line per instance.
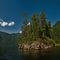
(34, 54)
(49, 54)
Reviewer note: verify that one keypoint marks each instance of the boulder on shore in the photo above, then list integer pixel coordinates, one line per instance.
(35, 45)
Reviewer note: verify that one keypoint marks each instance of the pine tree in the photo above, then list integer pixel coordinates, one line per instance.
(49, 30)
(34, 26)
(36, 29)
(42, 24)
(24, 28)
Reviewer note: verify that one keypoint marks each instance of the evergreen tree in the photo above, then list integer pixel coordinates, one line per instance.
(34, 26)
(56, 32)
(42, 24)
(49, 30)
(24, 28)
(37, 29)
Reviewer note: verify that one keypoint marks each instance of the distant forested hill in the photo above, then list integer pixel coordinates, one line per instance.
(6, 39)
(56, 31)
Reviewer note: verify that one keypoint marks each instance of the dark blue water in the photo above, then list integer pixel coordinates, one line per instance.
(11, 52)
(50, 54)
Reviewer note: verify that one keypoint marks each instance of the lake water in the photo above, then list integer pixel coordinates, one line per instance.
(11, 52)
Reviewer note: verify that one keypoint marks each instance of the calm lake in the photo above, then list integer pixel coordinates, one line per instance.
(11, 52)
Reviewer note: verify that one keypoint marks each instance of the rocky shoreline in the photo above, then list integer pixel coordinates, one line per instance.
(35, 45)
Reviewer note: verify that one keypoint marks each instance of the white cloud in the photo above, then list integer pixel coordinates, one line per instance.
(20, 32)
(11, 23)
(3, 23)
(28, 23)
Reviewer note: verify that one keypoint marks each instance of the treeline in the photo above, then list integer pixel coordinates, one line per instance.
(8, 39)
(56, 32)
(38, 29)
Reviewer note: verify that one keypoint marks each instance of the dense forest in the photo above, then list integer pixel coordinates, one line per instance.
(39, 29)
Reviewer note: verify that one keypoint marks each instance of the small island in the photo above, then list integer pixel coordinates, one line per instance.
(37, 33)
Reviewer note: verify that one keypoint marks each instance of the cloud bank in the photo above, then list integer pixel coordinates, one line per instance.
(4, 23)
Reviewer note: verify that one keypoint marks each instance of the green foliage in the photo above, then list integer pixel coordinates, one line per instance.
(35, 25)
(49, 30)
(42, 20)
(8, 39)
(39, 28)
(56, 32)
(49, 41)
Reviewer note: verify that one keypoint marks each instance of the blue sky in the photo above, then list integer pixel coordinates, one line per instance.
(11, 10)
